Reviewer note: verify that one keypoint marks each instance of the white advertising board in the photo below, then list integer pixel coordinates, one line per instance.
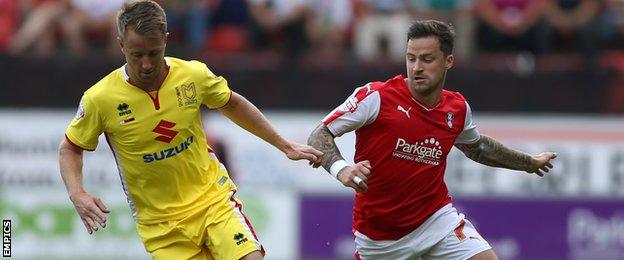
(590, 164)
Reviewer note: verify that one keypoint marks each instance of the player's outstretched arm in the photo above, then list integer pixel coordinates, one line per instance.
(246, 115)
(354, 176)
(90, 208)
(491, 152)
(323, 140)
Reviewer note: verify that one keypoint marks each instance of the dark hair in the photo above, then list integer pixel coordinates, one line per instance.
(145, 17)
(427, 28)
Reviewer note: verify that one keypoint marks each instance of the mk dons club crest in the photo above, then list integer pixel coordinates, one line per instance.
(187, 94)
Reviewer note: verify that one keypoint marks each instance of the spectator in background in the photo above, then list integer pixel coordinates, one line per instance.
(9, 15)
(455, 12)
(574, 26)
(379, 21)
(612, 31)
(189, 21)
(511, 25)
(612, 24)
(91, 19)
(329, 25)
(280, 24)
(38, 28)
(229, 27)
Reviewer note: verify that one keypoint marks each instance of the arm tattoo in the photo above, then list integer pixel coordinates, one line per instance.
(490, 152)
(323, 140)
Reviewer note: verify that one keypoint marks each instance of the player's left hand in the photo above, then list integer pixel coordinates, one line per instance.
(541, 164)
(306, 152)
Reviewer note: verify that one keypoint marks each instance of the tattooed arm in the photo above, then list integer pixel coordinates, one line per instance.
(323, 140)
(491, 152)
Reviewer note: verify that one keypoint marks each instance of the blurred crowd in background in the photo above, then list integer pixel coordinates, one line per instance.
(366, 30)
(545, 43)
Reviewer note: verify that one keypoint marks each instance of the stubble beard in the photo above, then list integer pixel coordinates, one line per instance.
(423, 89)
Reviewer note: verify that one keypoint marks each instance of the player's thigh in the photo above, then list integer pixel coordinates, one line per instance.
(166, 241)
(232, 236)
(367, 249)
(462, 243)
(485, 255)
(255, 255)
(182, 250)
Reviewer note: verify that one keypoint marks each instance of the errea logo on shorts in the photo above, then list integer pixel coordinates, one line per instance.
(428, 151)
(240, 238)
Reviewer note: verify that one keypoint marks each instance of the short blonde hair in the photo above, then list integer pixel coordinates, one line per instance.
(145, 17)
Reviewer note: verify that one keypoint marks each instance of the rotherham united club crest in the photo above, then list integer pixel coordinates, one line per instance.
(449, 119)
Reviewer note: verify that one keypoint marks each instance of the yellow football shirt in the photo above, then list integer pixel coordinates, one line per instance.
(158, 142)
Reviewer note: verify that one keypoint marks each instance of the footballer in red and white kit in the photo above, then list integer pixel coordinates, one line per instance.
(408, 145)
(405, 128)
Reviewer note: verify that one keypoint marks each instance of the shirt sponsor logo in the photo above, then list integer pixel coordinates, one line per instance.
(169, 152)
(428, 151)
(164, 129)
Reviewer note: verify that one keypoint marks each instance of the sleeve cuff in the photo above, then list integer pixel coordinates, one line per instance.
(74, 144)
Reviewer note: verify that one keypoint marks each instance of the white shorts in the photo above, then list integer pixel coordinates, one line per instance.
(444, 235)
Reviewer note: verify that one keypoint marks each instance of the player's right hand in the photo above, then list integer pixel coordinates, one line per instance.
(297, 151)
(356, 176)
(90, 209)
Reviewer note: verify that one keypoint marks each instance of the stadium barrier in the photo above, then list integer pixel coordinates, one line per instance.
(302, 213)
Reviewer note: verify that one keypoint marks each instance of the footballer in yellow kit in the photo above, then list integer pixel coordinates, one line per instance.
(149, 110)
(168, 172)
